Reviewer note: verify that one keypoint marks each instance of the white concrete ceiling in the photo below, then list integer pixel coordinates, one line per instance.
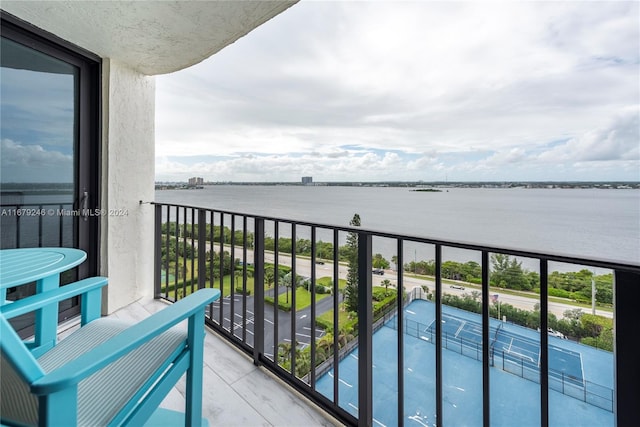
(152, 37)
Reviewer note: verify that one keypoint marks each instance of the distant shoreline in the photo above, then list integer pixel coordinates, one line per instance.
(431, 186)
(63, 188)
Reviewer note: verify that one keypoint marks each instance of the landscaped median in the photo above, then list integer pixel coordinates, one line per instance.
(186, 283)
(324, 288)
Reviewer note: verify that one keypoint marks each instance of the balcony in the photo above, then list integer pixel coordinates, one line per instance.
(448, 367)
(455, 365)
(235, 392)
(118, 49)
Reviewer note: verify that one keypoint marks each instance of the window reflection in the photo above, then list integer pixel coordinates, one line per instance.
(38, 141)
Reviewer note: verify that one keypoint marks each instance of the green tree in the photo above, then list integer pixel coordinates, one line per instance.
(351, 252)
(598, 331)
(378, 261)
(176, 247)
(289, 283)
(179, 269)
(324, 250)
(303, 363)
(284, 352)
(324, 347)
(269, 275)
(579, 285)
(604, 288)
(421, 267)
(214, 257)
(238, 275)
(303, 247)
(472, 271)
(507, 272)
(286, 281)
(452, 270)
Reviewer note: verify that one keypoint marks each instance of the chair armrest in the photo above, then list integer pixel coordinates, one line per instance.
(34, 302)
(76, 370)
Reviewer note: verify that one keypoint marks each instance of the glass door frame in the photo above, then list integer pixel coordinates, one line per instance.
(87, 149)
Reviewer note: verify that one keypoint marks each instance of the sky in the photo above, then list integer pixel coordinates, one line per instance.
(412, 90)
(36, 143)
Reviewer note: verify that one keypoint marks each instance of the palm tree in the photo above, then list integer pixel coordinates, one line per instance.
(286, 281)
(269, 275)
(303, 363)
(289, 282)
(284, 352)
(344, 338)
(324, 347)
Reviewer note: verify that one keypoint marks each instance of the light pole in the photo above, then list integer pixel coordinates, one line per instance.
(495, 300)
(593, 294)
(414, 261)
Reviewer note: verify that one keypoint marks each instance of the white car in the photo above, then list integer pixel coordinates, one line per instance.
(553, 333)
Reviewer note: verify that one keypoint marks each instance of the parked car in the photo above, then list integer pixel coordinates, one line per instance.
(457, 287)
(378, 271)
(553, 333)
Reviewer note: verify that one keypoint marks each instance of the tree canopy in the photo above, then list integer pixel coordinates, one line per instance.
(351, 252)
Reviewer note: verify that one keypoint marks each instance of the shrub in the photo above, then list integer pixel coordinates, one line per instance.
(322, 289)
(324, 324)
(282, 306)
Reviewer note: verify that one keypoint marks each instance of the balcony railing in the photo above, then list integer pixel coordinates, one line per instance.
(36, 224)
(256, 262)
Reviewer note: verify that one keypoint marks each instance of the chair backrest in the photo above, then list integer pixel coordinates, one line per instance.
(18, 369)
(107, 371)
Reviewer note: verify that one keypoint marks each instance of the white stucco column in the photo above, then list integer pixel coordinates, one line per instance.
(128, 176)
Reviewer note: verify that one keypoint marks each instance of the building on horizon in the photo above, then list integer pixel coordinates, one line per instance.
(307, 180)
(195, 181)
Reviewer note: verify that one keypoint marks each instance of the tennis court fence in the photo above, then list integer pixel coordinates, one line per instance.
(587, 391)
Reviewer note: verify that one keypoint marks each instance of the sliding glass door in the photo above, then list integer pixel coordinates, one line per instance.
(49, 154)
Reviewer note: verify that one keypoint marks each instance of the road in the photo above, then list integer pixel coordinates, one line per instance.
(303, 268)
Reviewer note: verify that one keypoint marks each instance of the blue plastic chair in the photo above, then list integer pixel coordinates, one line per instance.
(106, 372)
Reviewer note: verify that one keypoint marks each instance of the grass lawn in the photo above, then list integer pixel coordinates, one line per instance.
(226, 291)
(303, 298)
(227, 281)
(343, 317)
(328, 282)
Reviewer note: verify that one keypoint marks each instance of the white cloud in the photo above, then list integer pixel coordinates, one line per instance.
(617, 140)
(504, 80)
(34, 163)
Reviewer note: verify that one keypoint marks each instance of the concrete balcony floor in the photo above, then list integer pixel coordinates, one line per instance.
(235, 391)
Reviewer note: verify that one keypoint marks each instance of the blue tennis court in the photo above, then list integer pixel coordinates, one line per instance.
(515, 387)
(513, 348)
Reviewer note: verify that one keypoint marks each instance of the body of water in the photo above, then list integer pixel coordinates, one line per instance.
(591, 223)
